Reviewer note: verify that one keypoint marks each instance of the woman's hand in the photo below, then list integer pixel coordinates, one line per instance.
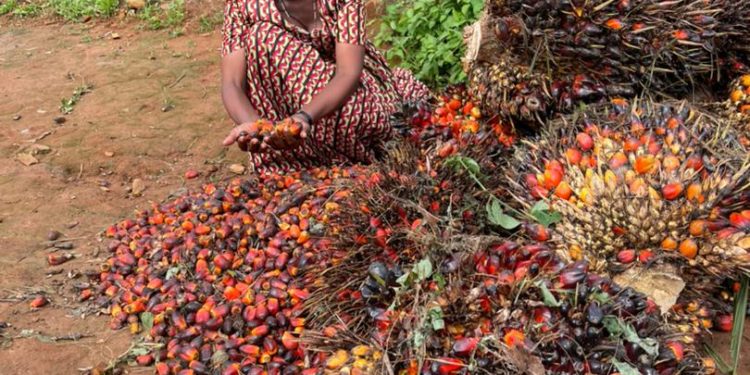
(289, 133)
(247, 137)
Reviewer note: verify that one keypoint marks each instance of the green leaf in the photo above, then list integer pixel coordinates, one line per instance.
(625, 368)
(440, 280)
(543, 215)
(147, 320)
(418, 338)
(617, 328)
(740, 310)
(720, 363)
(496, 216)
(423, 269)
(600, 297)
(436, 318)
(406, 280)
(547, 296)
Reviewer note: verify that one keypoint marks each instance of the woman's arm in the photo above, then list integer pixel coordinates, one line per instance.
(349, 64)
(233, 94)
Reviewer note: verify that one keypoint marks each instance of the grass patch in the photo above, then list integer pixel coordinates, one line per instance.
(28, 10)
(208, 23)
(8, 6)
(157, 19)
(76, 9)
(67, 104)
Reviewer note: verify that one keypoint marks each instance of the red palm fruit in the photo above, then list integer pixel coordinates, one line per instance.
(626, 256)
(202, 316)
(537, 232)
(573, 156)
(694, 162)
(38, 301)
(672, 191)
(585, 142)
(563, 191)
(552, 178)
(645, 164)
(449, 366)
(645, 256)
(631, 145)
(618, 160)
(678, 350)
(260, 330)
(514, 338)
(289, 341)
(231, 293)
(302, 294)
(189, 354)
(688, 248)
(740, 220)
(162, 369)
(58, 259)
(250, 350)
(466, 346)
(144, 360)
(724, 322)
(202, 230)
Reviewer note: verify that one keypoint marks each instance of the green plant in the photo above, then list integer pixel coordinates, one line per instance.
(208, 23)
(426, 36)
(157, 19)
(75, 9)
(28, 10)
(8, 6)
(67, 104)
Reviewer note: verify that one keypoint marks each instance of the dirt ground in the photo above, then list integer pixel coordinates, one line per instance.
(152, 113)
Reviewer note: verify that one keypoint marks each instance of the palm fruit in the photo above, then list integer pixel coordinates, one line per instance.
(466, 297)
(738, 105)
(662, 46)
(509, 89)
(641, 176)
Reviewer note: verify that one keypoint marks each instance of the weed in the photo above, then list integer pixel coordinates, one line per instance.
(208, 23)
(156, 19)
(28, 10)
(76, 9)
(426, 36)
(8, 6)
(67, 104)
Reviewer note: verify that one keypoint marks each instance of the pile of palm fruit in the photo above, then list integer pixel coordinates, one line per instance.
(477, 246)
(567, 52)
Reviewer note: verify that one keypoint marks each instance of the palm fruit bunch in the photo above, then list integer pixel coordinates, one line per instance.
(439, 294)
(638, 181)
(738, 105)
(217, 279)
(629, 44)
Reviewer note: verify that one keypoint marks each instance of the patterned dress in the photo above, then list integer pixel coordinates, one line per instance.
(287, 66)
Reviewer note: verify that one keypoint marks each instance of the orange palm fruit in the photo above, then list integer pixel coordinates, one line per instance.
(688, 248)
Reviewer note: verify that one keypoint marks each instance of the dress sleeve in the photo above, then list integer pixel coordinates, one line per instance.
(236, 25)
(351, 22)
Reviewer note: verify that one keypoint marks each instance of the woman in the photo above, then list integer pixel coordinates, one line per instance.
(309, 61)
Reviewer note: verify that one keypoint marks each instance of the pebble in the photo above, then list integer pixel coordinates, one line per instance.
(60, 120)
(53, 235)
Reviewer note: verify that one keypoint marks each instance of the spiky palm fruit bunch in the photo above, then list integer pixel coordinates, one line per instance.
(640, 176)
(738, 104)
(509, 89)
(664, 46)
(443, 295)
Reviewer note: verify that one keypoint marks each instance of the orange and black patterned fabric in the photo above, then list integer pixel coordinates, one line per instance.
(287, 66)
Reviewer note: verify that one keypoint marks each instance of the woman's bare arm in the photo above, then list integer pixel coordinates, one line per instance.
(350, 60)
(234, 93)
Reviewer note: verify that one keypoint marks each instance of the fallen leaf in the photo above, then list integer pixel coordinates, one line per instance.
(660, 282)
(26, 159)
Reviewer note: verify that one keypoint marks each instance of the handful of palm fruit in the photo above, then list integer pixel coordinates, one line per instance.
(283, 135)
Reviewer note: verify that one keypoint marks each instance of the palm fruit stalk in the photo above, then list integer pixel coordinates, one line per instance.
(665, 46)
(438, 293)
(638, 182)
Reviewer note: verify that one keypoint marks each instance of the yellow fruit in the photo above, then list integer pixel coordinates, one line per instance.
(337, 360)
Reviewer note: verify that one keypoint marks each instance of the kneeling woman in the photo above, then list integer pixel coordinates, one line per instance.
(309, 61)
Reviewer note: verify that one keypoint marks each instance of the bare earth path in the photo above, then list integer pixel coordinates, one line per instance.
(154, 107)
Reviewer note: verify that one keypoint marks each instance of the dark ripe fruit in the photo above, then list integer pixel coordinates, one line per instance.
(573, 274)
(594, 313)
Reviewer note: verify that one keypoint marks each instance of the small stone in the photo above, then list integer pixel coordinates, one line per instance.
(27, 159)
(16, 117)
(237, 168)
(109, 154)
(72, 224)
(104, 189)
(64, 246)
(60, 120)
(37, 149)
(53, 235)
(212, 169)
(136, 4)
(137, 187)
(115, 36)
